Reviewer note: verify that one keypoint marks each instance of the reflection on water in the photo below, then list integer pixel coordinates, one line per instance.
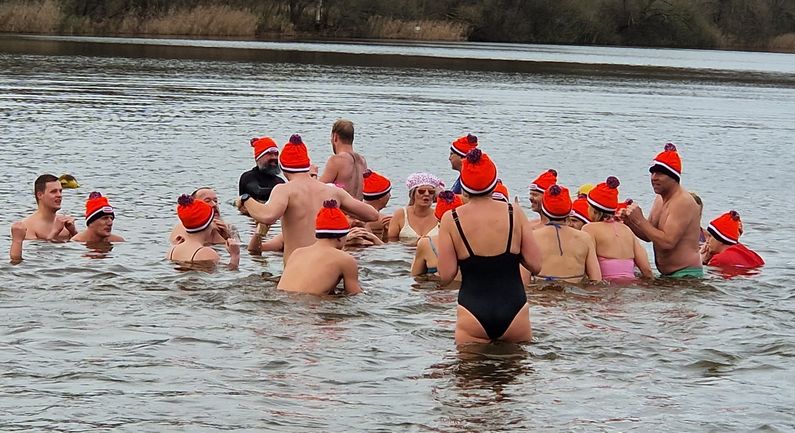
(85, 340)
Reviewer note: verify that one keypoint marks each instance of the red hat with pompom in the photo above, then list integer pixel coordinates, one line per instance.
(294, 157)
(97, 207)
(330, 222)
(668, 162)
(195, 215)
(604, 197)
(556, 203)
(464, 144)
(624, 204)
(544, 181)
(446, 201)
(500, 192)
(579, 210)
(726, 228)
(262, 146)
(478, 173)
(375, 186)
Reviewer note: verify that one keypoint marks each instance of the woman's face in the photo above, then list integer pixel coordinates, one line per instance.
(424, 195)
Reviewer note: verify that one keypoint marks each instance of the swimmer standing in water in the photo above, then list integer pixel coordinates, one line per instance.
(674, 223)
(317, 269)
(345, 167)
(100, 216)
(489, 240)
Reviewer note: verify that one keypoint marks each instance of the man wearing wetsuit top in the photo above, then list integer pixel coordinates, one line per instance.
(674, 224)
(260, 180)
(458, 150)
(345, 167)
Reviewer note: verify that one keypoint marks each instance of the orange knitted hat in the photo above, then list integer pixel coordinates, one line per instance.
(579, 210)
(330, 222)
(294, 157)
(196, 215)
(668, 162)
(262, 146)
(478, 173)
(446, 201)
(544, 181)
(464, 144)
(500, 192)
(726, 228)
(375, 186)
(97, 206)
(556, 203)
(604, 197)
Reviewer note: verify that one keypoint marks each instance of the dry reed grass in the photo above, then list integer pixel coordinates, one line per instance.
(379, 27)
(43, 16)
(203, 20)
(783, 43)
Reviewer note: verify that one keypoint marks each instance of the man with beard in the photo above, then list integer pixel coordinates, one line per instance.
(260, 180)
(45, 223)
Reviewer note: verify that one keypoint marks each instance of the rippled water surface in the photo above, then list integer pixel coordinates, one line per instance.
(123, 342)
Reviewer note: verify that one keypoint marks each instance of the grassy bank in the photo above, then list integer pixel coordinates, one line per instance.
(742, 24)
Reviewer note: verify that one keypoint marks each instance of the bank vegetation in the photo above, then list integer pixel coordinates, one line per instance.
(738, 24)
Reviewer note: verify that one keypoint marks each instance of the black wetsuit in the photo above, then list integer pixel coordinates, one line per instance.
(258, 184)
(491, 286)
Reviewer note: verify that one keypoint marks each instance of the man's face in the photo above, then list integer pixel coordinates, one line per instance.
(575, 223)
(269, 163)
(102, 226)
(208, 196)
(535, 200)
(455, 161)
(661, 182)
(52, 195)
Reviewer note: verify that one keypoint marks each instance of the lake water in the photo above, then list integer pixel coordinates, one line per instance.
(123, 342)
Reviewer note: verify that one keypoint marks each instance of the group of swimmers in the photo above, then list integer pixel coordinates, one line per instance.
(471, 232)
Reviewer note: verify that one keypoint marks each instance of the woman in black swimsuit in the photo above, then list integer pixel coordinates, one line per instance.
(488, 240)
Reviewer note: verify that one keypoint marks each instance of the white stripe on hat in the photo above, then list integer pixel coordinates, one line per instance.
(475, 191)
(599, 206)
(721, 235)
(104, 209)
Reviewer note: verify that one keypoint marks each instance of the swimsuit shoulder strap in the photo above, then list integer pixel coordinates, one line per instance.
(461, 232)
(510, 228)
(195, 252)
(433, 247)
(557, 234)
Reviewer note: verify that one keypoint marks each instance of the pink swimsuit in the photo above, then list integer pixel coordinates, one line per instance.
(617, 269)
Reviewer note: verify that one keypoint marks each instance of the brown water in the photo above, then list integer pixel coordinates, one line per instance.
(123, 342)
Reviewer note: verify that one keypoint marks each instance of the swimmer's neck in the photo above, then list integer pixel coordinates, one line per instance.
(668, 195)
(343, 147)
(45, 213)
(330, 243)
(297, 176)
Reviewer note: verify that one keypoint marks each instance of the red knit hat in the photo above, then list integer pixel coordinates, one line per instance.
(668, 162)
(726, 228)
(478, 173)
(500, 192)
(604, 197)
(556, 203)
(375, 186)
(331, 223)
(446, 201)
(544, 181)
(579, 210)
(625, 204)
(464, 144)
(294, 157)
(97, 207)
(262, 146)
(196, 215)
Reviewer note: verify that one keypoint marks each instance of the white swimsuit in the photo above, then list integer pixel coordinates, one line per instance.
(408, 233)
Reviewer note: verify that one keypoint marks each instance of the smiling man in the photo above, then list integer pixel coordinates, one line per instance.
(260, 180)
(45, 223)
(674, 223)
(99, 222)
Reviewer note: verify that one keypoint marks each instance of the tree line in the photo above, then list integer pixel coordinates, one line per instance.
(751, 24)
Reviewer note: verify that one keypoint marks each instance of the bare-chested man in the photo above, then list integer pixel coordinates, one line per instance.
(99, 222)
(537, 188)
(674, 223)
(298, 201)
(318, 268)
(45, 223)
(345, 167)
